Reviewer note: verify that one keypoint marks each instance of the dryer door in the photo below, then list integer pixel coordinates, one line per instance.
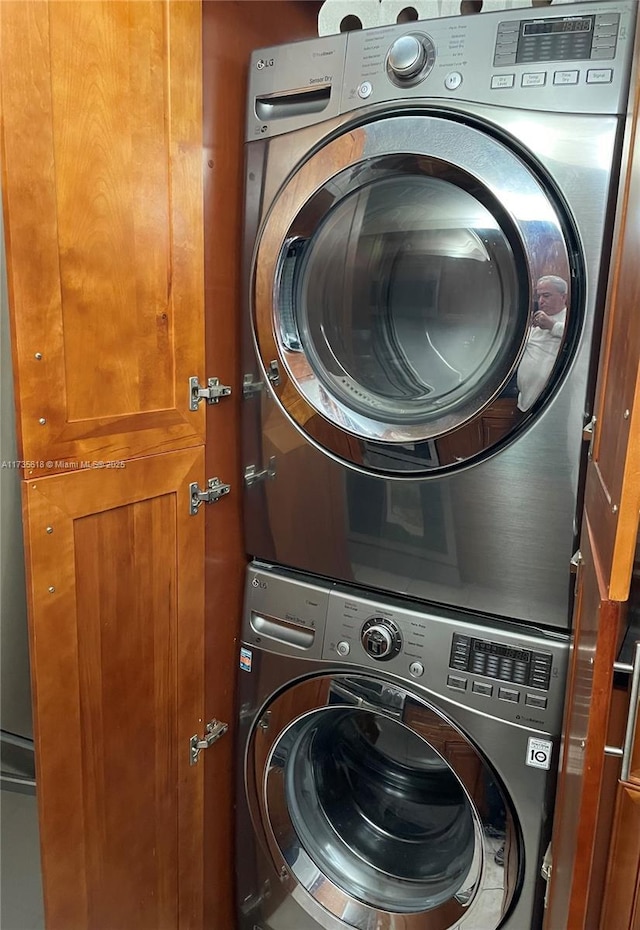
(394, 294)
(380, 808)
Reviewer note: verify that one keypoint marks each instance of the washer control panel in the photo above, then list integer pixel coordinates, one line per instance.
(509, 671)
(524, 667)
(381, 639)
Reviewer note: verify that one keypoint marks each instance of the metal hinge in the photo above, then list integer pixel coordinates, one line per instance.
(588, 433)
(251, 387)
(546, 870)
(575, 567)
(214, 491)
(211, 393)
(252, 475)
(213, 731)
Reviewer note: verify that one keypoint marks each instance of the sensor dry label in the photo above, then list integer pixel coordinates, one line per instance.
(539, 753)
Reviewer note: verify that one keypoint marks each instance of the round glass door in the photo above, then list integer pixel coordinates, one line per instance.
(396, 296)
(378, 806)
(378, 811)
(405, 302)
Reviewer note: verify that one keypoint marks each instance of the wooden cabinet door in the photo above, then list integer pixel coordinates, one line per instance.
(102, 194)
(621, 907)
(116, 606)
(102, 188)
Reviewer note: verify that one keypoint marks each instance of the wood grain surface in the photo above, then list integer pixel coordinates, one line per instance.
(103, 212)
(613, 481)
(116, 597)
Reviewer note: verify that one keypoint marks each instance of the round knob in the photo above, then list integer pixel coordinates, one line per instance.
(381, 638)
(378, 641)
(407, 56)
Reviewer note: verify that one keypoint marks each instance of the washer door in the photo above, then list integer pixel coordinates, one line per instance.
(380, 808)
(393, 294)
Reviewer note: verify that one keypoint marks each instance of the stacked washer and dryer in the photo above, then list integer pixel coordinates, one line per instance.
(413, 429)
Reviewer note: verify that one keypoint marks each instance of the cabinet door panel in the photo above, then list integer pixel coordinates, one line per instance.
(620, 908)
(612, 496)
(103, 204)
(116, 590)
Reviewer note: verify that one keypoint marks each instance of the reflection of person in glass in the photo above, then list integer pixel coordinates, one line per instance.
(544, 339)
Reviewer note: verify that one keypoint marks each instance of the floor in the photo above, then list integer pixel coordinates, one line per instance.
(20, 883)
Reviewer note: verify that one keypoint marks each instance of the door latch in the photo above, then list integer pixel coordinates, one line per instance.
(214, 491)
(211, 393)
(213, 731)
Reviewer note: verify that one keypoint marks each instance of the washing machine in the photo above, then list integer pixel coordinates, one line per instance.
(414, 420)
(396, 763)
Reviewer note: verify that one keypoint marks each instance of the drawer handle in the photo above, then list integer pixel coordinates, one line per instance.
(626, 751)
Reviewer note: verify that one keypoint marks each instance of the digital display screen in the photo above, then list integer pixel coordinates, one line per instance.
(496, 649)
(557, 25)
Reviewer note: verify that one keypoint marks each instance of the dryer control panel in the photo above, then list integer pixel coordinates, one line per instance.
(542, 59)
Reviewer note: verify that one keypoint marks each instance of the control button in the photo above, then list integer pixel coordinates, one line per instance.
(566, 77)
(535, 700)
(602, 54)
(502, 80)
(458, 684)
(343, 648)
(534, 79)
(506, 48)
(482, 687)
(507, 59)
(506, 694)
(607, 19)
(416, 669)
(600, 76)
(364, 90)
(453, 80)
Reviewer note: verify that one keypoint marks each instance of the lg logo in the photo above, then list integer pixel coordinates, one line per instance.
(258, 584)
(264, 63)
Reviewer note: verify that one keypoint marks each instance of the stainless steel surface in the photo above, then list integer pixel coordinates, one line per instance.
(373, 799)
(496, 536)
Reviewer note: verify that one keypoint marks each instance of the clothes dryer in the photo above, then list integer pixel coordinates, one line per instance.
(396, 765)
(428, 211)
